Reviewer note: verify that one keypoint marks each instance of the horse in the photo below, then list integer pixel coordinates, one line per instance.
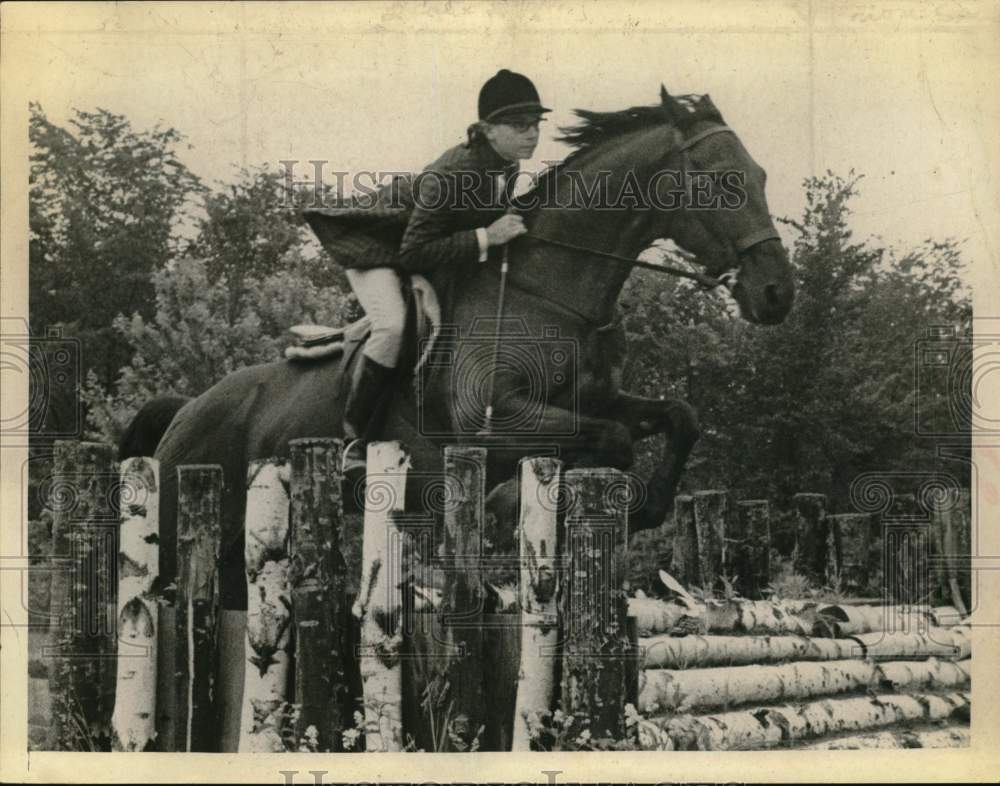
(561, 291)
(148, 426)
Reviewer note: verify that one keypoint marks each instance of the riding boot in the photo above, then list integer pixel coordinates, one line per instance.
(366, 392)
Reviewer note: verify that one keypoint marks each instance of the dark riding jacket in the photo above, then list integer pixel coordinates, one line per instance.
(455, 195)
(418, 223)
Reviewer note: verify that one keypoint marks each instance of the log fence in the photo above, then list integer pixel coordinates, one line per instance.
(449, 661)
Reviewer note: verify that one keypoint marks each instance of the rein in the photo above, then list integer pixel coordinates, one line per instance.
(709, 282)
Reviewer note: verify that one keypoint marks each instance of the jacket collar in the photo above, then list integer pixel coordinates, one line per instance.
(490, 159)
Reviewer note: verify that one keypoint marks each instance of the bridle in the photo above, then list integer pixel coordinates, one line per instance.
(742, 244)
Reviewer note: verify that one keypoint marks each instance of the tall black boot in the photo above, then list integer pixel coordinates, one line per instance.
(367, 389)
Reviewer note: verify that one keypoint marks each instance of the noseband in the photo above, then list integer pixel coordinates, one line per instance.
(751, 239)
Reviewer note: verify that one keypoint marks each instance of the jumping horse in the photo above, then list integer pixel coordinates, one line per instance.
(561, 291)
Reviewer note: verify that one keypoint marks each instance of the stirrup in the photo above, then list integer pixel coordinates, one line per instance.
(348, 463)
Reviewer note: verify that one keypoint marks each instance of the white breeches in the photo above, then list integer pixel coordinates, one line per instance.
(379, 292)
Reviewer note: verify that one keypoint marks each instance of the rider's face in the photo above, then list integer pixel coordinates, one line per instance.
(514, 138)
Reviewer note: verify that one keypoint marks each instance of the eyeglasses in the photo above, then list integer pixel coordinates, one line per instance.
(521, 126)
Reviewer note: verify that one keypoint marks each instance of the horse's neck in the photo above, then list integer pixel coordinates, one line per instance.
(593, 282)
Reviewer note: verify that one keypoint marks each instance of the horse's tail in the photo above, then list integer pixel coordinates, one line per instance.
(148, 426)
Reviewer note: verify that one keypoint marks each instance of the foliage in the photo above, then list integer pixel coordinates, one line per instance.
(260, 274)
(190, 343)
(809, 404)
(106, 205)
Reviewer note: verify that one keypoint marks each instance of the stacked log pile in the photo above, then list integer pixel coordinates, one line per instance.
(744, 675)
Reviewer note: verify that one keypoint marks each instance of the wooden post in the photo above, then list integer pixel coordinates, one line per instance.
(596, 657)
(950, 545)
(317, 574)
(749, 555)
(710, 532)
(269, 615)
(83, 532)
(379, 601)
(538, 594)
(196, 609)
(461, 609)
(811, 535)
(133, 721)
(855, 536)
(684, 564)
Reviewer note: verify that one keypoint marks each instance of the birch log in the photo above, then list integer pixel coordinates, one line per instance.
(947, 737)
(196, 611)
(267, 670)
(930, 674)
(685, 689)
(763, 727)
(672, 652)
(596, 652)
(848, 620)
(951, 643)
(539, 587)
(745, 616)
(133, 722)
(379, 601)
(317, 577)
(82, 541)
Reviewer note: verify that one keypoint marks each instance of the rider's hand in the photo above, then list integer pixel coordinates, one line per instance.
(505, 229)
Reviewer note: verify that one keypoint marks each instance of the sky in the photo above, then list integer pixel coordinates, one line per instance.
(903, 94)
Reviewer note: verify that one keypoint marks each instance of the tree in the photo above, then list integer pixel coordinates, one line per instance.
(830, 393)
(105, 204)
(263, 271)
(249, 228)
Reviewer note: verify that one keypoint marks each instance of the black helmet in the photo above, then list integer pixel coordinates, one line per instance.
(508, 93)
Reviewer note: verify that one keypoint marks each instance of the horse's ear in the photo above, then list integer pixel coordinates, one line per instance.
(674, 110)
(706, 104)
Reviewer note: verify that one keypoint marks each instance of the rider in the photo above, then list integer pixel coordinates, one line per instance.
(458, 215)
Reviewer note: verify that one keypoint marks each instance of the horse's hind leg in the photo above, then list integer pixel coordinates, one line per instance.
(647, 416)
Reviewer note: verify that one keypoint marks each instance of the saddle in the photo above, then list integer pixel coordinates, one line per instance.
(320, 342)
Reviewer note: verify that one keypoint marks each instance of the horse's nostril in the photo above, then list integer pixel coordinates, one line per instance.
(771, 294)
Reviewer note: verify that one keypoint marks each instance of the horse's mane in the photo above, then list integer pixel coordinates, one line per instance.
(596, 129)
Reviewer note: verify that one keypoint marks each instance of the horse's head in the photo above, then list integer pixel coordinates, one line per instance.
(725, 223)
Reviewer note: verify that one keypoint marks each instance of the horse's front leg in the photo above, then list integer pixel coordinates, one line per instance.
(645, 417)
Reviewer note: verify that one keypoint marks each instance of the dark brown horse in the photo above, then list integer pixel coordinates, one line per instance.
(556, 380)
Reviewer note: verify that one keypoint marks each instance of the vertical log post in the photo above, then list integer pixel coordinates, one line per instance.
(317, 574)
(539, 585)
(199, 517)
(264, 721)
(596, 655)
(684, 564)
(950, 545)
(133, 721)
(749, 554)
(83, 536)
(856, 568)
(710, 532)
(811, 535)
(379, 601)
(906, 550)
(461, 610)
